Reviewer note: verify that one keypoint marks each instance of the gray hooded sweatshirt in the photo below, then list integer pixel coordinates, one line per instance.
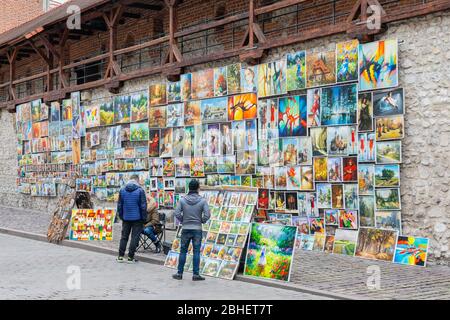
(192, 211)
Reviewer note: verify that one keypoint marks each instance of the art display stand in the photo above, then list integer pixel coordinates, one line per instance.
(57, 229)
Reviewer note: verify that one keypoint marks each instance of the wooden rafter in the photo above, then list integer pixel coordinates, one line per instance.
(111, 21)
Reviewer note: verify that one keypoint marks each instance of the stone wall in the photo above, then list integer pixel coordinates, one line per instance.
(424, 53)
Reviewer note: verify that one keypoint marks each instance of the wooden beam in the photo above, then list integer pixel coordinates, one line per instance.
(40, 52)
(49, 46)
(145, 6)
(131, 15)
(174, 52)
(12, 56)
(63, 81)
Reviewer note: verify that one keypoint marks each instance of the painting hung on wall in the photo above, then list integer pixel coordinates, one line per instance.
(185, 84)
(139, 105)
(249, 79)
(347, 61)
(345, 242)
(365, 112)
(387, 175)
(339, 105)
(106, 113)
(66, 109)
(378, 65)
(139, 131)
(387, 199)
(389, 220)
(92, 116)
(234, 78)
(388, 152)
(202, 85)
(272, 78)
(319, 141)
(366, 145)
(376, 244)
(242, 106)
(214, 110)
(220, 81)
(192, 113)
(320, 68)
(270, 251)
(313, 97)
(35, 110)
(296, 70)
(158, 94)
(411, 251)
(157, 117)
(174, 115)
(122, 109)
(166, 143)
(55, 112)
(388, 103)
(292, 116)
(389, 128)
(267, 119)
(173, 91)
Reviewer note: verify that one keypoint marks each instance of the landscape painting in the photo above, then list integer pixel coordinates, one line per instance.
(345, 242)
(139, 105)
(388, 152)
(157, 117)
(387, 199)
(387, 175)
(220, 81)
(158, 94)
(202, 85)
(106, 114)
(389, 128)
(214, 110)
(378, 65)
(122, 109)
(376, 244)
(270, 251)
(139, 131)
(234, 78)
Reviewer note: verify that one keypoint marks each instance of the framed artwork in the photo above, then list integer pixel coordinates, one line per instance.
(185, 83)
(234, 78)
(345, 242)
(272, 78)
(292, 119)
(388, 152)
(388, 103)
(157, 117)
(173, 91)
(412, 251)
(387, 199)
(214, 110)
(388, 220)
(378, 65)
(268, 119)
(122, 109)
(220, 81)
(389, 128)
(166, 144)
(365, 112)
(139, 107)
(241, 107)
(376, 244)
(347, 61)
(174, 115)
(313, 97)
(296, 70)
(158, 94)
(249, 79)
(202, 85)
(339, 105)
(387, 175)
(366, 179)
(106, 114)
(192, 113)
(139, 131)
(320, 68)
(92, 116)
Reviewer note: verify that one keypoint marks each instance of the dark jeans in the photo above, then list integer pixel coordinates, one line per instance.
(186, 237)
(135, 228)
(151, 233)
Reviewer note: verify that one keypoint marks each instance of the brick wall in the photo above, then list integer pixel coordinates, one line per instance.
(16, 12)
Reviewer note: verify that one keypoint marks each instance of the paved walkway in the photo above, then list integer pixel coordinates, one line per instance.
(335, 274)
(46, 271)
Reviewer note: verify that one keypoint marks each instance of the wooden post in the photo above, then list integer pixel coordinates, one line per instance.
(63, 82)
(174, 54)
(251, 19)
(12, 55)
(111, 21)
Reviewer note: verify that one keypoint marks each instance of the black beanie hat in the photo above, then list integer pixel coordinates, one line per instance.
(194, 185)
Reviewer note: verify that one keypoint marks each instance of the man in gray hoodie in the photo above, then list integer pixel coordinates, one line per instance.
(192, 211)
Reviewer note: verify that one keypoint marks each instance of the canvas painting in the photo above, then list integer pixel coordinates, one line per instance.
(158, 94)
(173, 91)
(185, 84)
(319, 141)
(388, 220)
(313, 97)
(213, 147)
(307, 178)
(139, 106)
(289, 150)
(304, 154)
(387, 175)
(388, 103)
(267, 119)
(234, 78)
(220, 81)
(153, 143)
(270, 251)
(55, 112)
(272, 78)
(214, 110)
(348, 219)
(320, 68)
(106, 113)
(334, 167)
(139, 131)
(192, 113)
(174, 115)
(249, 79)
(113, 138)
(365, 112)
(339, 140)
(243, 106)
(347, 61)
(337, 196)
(367, 211)
(366, 146)
(157, 117)
(411, 251)
(376, 244)
(366, 179)
(323, 195)
(188, 150)
(292, 116)
(350, 169)
(339, 105)
(122, 109)
(202, 85)
(387, 199)
(166, 143)
(389, 128)
(345, 242)
(246, 162)
(92, 116)
(378, 65)
(320, 169)
(388, 152)
(296, 70)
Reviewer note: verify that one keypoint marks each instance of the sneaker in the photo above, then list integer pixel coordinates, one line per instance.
(177, 276)
(131, 260)
(120, 259)
(197, 277)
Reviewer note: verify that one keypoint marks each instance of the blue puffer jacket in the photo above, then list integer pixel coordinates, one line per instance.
(132, 205)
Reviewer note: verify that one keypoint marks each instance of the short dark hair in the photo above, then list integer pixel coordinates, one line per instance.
(194, 185)
(134, 177)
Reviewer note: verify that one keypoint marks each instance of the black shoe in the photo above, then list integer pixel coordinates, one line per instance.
(177, 276)
(132, 260)
(158, 247)
(197, 277)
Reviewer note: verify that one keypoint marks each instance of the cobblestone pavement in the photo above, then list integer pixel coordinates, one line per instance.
(37, 270)
(332, 273)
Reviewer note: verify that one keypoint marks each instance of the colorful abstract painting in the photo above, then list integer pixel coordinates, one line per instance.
(270, 251)
(378, 65)
(347, 61)
(242, 106)
(411, 251)
(272, 78)
(339, 105)
(292, 119)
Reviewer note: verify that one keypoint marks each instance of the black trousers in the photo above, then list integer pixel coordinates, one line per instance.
(135, 228)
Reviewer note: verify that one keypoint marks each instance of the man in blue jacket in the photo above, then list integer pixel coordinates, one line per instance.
(132, 209)
(192, 211)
